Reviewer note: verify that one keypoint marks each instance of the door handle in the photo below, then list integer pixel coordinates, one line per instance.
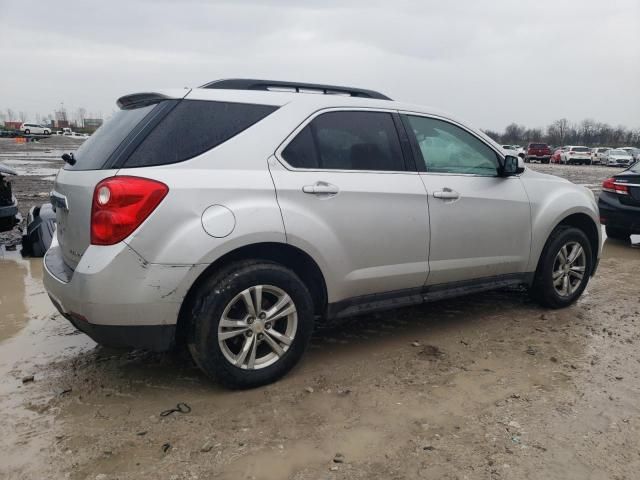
(446, 194)
(321, 188)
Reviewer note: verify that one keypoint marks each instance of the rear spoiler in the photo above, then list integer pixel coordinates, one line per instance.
(137, 100)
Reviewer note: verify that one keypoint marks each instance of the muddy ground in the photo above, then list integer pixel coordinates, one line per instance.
(490, 387)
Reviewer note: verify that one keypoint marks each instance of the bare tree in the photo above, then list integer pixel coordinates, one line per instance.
(10, 114)
(561, 126)
(22, 116)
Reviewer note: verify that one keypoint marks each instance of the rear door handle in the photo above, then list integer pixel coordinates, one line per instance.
(321, 188)
(446, 194)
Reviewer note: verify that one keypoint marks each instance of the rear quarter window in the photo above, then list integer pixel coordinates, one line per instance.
(194, 127)
(96, 150)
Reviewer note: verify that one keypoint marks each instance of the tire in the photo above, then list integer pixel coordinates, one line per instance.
(550, 265)
(47, 132)
(222, 294)
(27, 131)
(618, 233)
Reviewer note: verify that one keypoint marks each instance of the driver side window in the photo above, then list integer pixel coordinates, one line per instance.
(446, 148)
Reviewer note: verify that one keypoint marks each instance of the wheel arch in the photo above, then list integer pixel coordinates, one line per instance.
(585, 223)
(285, 254)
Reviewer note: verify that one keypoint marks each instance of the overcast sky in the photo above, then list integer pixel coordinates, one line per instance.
(490, 63)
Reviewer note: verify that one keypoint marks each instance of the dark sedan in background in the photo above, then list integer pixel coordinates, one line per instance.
(619, 204)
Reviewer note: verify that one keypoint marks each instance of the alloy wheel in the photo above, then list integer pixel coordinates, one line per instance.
(257, 327)
(569, 269)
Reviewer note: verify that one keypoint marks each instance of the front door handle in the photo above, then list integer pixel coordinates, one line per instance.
(321, 188)
(446, 194)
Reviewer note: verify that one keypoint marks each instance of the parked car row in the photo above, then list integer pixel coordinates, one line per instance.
(581, 155)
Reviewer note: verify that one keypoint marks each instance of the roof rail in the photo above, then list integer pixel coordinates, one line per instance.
(277, 85)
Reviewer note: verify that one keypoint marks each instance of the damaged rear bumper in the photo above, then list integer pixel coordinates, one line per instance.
(117, 298)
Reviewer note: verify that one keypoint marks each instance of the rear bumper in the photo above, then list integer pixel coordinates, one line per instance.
(615, 214)
(117, 298)
(157, 338)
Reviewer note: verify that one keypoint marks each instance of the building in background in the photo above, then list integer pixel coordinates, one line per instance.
(92, 124)
(61, 120)
(12, 125)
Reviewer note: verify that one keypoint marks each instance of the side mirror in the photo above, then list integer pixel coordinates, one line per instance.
(511, 165)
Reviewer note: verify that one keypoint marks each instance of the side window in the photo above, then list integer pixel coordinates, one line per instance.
(446, 148)
(347, 141)
(192, 128)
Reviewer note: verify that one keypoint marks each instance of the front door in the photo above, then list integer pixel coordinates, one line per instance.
(480, 222)
(348, 199)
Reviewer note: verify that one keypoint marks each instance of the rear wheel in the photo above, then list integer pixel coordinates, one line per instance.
(564, 268)
(27, 131)
(618, 233)
(251, 323)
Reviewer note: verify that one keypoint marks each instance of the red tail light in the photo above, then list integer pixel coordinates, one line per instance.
(610, 185)
(120, 205)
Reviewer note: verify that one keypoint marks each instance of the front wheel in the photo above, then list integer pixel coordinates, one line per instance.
(564, 268)
(27, 131)
(251, 323)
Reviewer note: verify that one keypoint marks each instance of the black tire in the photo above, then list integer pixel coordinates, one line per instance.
(618, 233)
(27, 131)
(212, 298)
(543, 289)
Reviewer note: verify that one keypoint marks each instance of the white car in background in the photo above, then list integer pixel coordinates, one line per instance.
(34, 129)
(574, 154)
(598, 153)
(633, 151)
(617, 157)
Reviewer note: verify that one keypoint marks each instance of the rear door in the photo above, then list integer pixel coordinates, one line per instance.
(348, 198)
(480, 223)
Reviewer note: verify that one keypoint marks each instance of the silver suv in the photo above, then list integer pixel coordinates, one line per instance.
(234, 216)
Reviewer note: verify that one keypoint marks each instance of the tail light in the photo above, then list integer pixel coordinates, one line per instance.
(120, 205)
(610, 185)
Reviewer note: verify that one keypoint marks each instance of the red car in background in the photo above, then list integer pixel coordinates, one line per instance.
(555, 157)
(538, 151)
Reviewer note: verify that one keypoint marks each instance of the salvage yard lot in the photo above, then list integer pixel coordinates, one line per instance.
(487, 386)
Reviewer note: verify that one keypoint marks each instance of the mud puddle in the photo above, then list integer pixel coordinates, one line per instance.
(488, 386)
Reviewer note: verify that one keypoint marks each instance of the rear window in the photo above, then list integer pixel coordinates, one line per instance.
(580, 149)
(538, 145)
(192, 128)
(95, 151)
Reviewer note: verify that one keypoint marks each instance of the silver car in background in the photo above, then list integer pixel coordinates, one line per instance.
(235, 216)
(617, 157)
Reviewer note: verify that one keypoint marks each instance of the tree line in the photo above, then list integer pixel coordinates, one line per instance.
(562, 132)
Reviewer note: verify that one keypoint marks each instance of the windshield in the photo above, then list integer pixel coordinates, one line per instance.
(617, 151)
(95, 151)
